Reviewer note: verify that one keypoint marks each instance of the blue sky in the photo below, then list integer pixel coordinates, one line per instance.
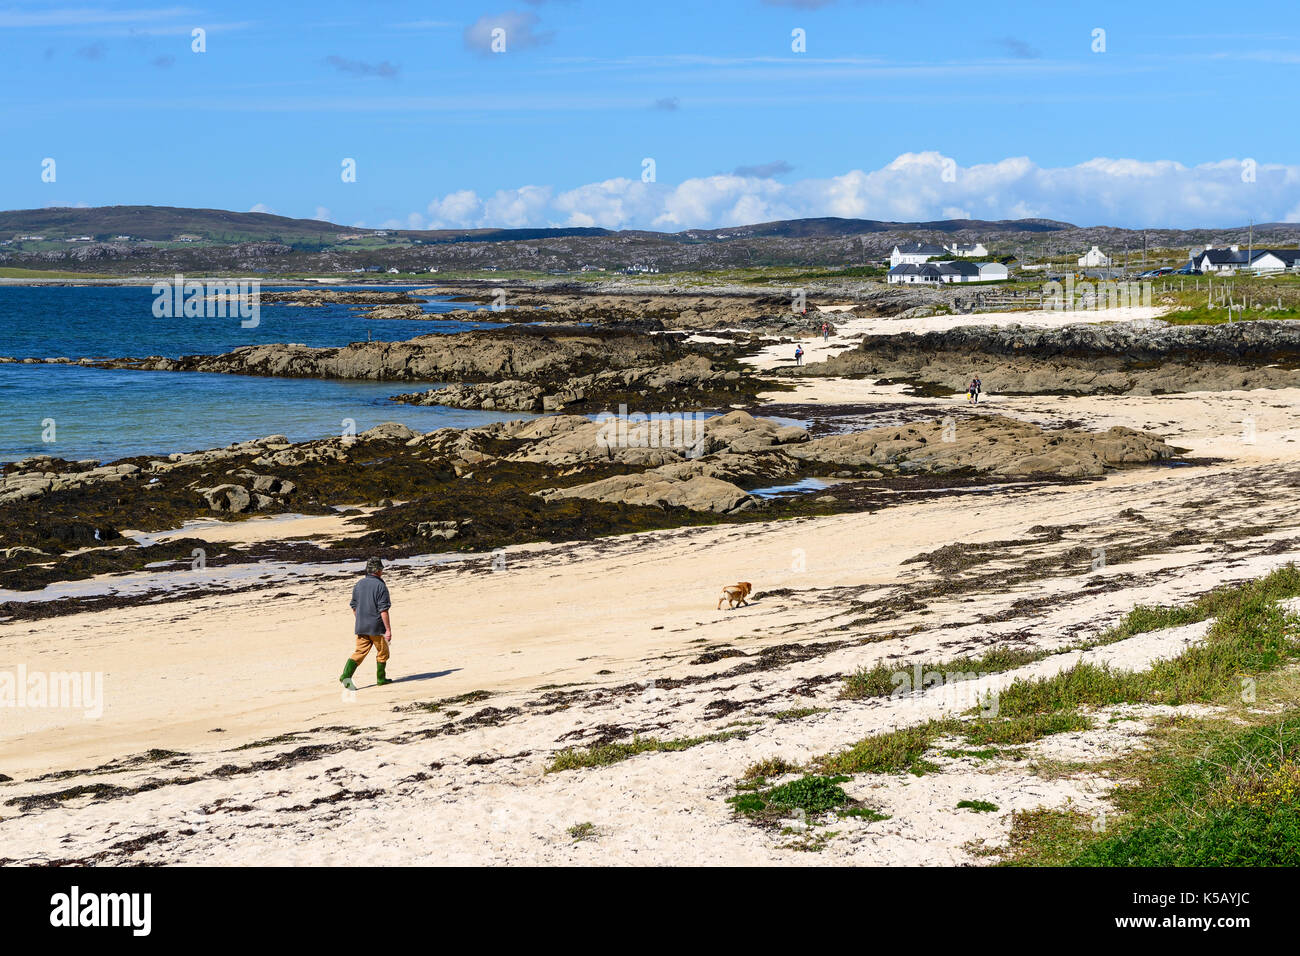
(897, 109)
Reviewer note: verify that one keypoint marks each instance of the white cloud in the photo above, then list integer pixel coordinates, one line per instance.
(913, 187)
(262, 207)
(456, 209)
(322, 213)
(519, 32)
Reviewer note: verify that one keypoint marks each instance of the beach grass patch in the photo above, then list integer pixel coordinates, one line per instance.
(1205, 796)
(811, 795)
(582, 831)
(978, 806)
(1251, 635)
(771, 767)
(884, 680)
(798, 713)
(893, 752)
(603, 755)
(1026, 729)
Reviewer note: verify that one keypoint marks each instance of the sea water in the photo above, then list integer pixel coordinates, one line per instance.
(74, 412)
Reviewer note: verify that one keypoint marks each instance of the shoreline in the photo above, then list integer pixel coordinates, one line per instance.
(490, 692)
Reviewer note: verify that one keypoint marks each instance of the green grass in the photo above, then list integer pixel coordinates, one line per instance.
(1203, 315)
(893, 752)
(1207, 792)
(814, 795)
(771, 767)
(979, 806)
(885, 679)
(582, 831)
(798, 713)
(1251, 635)
(11, 272)
(903, 750)
(1025, 729)
(605, 754)
(1218, 796)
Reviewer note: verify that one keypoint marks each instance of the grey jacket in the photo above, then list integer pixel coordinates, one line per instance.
(369, 598)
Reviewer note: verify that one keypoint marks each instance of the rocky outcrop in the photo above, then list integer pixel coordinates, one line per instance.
(319, 297)
(653, 488)
(1141, 358)
(738, 447)
(986, 445)
(396, 312)
(570, 439)
(768, 313)
(477, 356)
(34, 477)
(693, 380)
(510, 395)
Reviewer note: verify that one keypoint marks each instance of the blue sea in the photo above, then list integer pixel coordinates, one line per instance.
(111, 414)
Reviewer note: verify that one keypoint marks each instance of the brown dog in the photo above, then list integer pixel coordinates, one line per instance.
(735, 594)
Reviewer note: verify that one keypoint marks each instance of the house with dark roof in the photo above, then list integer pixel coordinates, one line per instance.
(1234, 258)
(969, 250)
(936, 273)
(915, 253)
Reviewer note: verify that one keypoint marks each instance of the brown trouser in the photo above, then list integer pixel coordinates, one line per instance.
(363, 648)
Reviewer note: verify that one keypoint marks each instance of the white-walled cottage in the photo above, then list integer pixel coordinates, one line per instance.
(914, 253)
(936, 273)
(1092, 258)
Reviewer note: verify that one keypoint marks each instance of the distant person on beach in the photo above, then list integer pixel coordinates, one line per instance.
(798, 355)
(370, 602)
(973, 392)
(826, 332)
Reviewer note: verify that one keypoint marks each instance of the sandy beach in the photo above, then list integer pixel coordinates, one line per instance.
(225, 737)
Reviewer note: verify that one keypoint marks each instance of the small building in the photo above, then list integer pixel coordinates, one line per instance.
(941, 273)
(972, 250)
(1235, 258)
(914, 253)
(1274, 260)
(1093, 258)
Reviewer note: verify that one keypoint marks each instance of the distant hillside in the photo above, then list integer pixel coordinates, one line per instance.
(222, 241)
(828, 227)
(165, 223)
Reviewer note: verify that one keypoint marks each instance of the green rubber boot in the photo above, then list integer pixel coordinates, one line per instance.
(380, 678)
(349, 669)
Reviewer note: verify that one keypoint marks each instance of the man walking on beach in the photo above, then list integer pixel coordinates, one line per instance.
(370, 601)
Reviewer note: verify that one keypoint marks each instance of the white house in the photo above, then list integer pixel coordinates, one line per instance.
(1092, 258)
(935, 273)
(1275, 260)
(914, 253)
(969, 251)
(1257, 260)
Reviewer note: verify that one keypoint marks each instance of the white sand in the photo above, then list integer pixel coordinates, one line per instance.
(203, 676)
(848, 331)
